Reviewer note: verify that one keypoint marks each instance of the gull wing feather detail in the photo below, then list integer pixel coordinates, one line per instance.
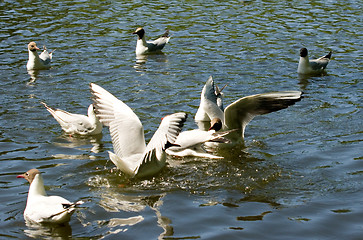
(131, 155)
(241, 112)
(320, 63)
(74, 123)
(125, 127)
(168, 131)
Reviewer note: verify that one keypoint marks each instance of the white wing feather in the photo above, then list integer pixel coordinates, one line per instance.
(126, 130)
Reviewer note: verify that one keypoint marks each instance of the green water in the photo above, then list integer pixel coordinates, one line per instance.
(299, 173)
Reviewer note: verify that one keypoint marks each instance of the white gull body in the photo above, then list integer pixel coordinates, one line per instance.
(314, 66)
(132, 156)
(41, 208)
(190, 143)
(73, 123)
(239, 113)
(147, 47)
(38, 62)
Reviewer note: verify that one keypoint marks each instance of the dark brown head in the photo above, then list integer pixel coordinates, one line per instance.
(29, 175)
(303, 52)
(215, 124)
(140, 32)
(32, 46)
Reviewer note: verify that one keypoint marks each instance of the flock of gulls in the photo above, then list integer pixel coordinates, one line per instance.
(217, 127)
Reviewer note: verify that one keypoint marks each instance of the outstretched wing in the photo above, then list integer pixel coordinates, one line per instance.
(241, 112)
(126, 130)
(168, 131)
(154, 156)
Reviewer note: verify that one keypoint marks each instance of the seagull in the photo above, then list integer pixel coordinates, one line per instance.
(41, 208)
(146, 47)
(307, 66)
(38, 62)
(190, 143)
(132, 156)
(239, 113)
(73, 123)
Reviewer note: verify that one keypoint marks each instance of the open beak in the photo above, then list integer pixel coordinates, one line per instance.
(223, 88)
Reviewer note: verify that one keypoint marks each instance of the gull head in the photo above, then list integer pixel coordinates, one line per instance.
(303, 52)
(215, 124)
(140, 32)
(32, 46)
(29, 175)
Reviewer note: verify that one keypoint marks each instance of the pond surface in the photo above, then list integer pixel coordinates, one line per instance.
(299, 174)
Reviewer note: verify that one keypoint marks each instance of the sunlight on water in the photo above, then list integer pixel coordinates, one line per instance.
(298, 171)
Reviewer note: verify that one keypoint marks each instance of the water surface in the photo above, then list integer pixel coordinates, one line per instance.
(299, 174)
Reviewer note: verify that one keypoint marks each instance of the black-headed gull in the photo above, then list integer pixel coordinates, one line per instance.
(73, 123)
(41, 208)
(38, 62)
(132, 156)
(239, 113)
(314, 66)
(146, 47)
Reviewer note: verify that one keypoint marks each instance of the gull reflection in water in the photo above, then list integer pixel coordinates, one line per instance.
(112, 201)
(33, 76)
(80, 143)
(50, 231)
(304, 79)
(142, 59)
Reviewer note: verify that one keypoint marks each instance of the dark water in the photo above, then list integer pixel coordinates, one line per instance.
(299, 175)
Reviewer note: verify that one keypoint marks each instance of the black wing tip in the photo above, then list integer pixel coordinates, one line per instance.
(166, 33)
(169, 144)
(185, 117)
(178, 123)
(279, 104)
(328, 55)
(69, 205)
(182, 119)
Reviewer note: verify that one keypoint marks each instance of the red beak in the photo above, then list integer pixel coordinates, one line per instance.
(20, 176)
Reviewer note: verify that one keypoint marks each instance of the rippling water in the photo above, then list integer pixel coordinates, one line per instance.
(299, 175)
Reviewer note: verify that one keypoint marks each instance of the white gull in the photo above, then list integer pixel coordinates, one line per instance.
(314, 66)
(190, 143)
(41, 208)
(146, 47)
(239, 113)
(132, 156)
(38, 62)
(73, 123)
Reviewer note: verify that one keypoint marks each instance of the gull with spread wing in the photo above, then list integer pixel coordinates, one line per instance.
(132, 156)
(239, 113)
